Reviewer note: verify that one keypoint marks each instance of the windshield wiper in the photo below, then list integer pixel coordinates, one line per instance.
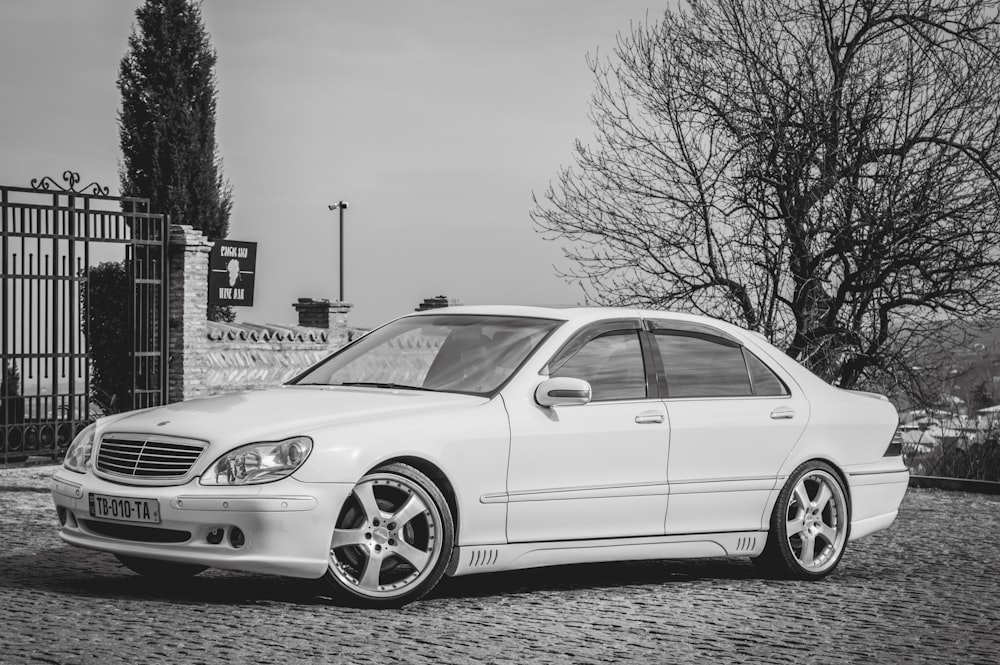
(377, 384)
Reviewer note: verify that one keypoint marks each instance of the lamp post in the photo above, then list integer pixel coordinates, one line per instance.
(342, 206)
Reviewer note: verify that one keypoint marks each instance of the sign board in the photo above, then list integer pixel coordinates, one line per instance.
(231, 267)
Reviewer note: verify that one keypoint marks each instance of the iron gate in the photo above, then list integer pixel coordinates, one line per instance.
(52, 236)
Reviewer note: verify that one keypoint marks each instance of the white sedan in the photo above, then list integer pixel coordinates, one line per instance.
(477, 439)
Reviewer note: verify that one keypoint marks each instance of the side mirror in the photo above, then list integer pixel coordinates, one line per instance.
(562, 391)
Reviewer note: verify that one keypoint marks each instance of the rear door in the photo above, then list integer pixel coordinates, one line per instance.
(733, 421)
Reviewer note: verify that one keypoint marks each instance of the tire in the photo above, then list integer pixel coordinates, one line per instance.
(810, 524)
(161, 570)
(392, 540)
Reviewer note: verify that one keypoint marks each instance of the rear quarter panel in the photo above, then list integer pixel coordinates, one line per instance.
(852, 431)
(845, 428)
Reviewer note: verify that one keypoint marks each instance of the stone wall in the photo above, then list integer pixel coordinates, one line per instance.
(210, 358)
(248, 356)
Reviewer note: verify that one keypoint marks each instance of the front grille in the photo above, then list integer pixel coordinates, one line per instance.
(149, 458)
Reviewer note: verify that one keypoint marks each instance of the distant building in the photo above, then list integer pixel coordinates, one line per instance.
(436, 302)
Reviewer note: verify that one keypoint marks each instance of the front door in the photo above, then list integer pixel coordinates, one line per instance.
(598, 470)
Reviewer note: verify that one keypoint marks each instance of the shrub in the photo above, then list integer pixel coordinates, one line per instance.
(10, 390)
(105, 307)
(969, 461)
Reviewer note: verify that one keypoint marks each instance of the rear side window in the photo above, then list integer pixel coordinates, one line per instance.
(704, 366)
(700, 367)
(611, 363)
(765, 382)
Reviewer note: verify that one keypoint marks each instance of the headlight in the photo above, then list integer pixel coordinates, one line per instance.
(78, 453)
(259, 462)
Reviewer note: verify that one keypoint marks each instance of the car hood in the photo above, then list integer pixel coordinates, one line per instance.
(268, 415)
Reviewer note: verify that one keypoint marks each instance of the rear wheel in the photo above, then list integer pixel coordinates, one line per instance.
(163, 570)
(392, 540)
(809, 525)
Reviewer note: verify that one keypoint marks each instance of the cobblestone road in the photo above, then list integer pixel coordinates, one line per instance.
(923, 591)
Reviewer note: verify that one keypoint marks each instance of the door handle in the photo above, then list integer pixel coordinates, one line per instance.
(783, 413)
(649, 418)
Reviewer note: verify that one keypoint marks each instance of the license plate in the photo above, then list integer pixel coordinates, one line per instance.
(125, 509)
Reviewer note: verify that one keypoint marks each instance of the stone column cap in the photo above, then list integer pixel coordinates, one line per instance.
(185, 235)
(322, 304)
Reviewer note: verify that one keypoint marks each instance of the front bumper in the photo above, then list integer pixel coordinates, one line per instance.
(287, 525)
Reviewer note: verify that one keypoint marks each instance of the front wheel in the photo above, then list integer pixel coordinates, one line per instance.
(392, 540)
(809, 525)
(161, 570)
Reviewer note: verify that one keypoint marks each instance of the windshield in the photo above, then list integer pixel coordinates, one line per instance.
(464, 353)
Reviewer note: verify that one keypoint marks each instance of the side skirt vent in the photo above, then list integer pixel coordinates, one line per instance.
(483, 557)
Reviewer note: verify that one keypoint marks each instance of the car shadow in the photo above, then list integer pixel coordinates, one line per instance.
(86, 574)
(582, 577)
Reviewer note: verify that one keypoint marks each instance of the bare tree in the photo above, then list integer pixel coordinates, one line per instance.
(825, 173)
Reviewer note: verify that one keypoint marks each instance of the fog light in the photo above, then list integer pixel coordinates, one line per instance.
(61, 513)
(236, 538)
(71, 520)
(215, 536)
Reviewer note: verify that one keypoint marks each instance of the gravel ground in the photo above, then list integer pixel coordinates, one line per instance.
(923, 591)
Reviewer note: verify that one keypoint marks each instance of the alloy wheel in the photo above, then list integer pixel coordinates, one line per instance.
(389, 539)
(816, 521)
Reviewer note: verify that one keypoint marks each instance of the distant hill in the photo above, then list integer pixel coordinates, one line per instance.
(972, 366)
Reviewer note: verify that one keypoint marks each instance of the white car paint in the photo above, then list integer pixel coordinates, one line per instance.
(566, 483)
(530, 485)
(728, 466)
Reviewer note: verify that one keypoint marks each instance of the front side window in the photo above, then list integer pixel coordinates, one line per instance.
(612, 364)
(464, 353)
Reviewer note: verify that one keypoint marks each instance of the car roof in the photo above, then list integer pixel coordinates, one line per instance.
(581, 314)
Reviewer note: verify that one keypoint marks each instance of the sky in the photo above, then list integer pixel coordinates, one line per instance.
(436, 120)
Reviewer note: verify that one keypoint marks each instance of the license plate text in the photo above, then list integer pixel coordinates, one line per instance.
(125, 509)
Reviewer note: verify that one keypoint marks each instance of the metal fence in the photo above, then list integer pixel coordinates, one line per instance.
(52, 234)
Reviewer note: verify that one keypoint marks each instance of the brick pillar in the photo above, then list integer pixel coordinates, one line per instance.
(188, 299)
(330, 316)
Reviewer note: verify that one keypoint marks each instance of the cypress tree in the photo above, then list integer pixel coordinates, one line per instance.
(167, 118)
